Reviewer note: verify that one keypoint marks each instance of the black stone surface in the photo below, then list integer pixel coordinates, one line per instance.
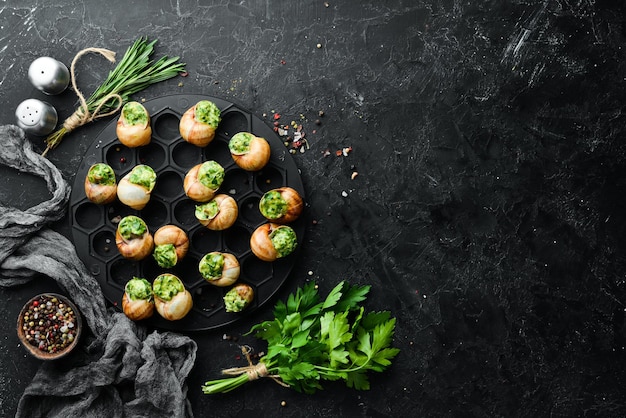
(488, 209)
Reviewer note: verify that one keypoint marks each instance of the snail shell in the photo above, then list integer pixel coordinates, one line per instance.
(193, 129)
(292, 210)
(137, 309)
(255, 156)
(171, 234)
(194, 188)
(230, 271)
(133, 127)
(175, 308)
(262, 245)
(135, 248)
(96, 190)
(134, 195)
(238, 298)
(226, 216)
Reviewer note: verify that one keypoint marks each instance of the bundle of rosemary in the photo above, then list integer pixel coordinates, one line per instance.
(135, 72)
(311, 340)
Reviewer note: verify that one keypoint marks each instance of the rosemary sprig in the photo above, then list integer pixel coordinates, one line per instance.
(135, 72)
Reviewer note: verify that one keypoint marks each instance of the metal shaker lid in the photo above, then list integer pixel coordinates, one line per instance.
(49, 75)
(36, 117)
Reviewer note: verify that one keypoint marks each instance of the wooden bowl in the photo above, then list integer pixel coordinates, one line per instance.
(42, 322)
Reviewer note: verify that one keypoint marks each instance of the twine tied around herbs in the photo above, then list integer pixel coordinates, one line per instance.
(254, 371)
(82, 115)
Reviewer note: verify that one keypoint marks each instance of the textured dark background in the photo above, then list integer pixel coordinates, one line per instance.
(488, 213)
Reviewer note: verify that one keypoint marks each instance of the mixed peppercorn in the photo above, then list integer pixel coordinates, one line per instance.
(49, 324)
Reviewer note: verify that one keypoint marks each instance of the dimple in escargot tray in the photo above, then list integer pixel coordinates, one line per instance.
(93, 226)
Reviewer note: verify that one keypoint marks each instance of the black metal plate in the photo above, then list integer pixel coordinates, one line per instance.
(93, 226)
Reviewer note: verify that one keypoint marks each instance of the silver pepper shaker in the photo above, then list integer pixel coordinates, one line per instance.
(49, 75)
(36, 117)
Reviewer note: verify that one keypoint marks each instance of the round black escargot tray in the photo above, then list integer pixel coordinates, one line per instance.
(93, 226)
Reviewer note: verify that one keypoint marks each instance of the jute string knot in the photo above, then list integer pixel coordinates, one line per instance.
(254, 371)
(82, 115)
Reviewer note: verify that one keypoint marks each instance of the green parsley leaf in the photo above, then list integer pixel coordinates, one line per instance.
(358, 380)
(351, 297)
(333, 297)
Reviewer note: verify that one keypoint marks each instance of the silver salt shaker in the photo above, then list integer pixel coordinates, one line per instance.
(36, 117)
(49, 75)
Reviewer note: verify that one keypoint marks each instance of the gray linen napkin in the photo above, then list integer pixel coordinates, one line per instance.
(126, 372)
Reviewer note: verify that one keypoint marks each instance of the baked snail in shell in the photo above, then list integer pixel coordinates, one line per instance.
(134, 188)
(219, 213)
(271, 241)
(198, 124)
(202, 181)
(219, 269)
(100, 184)
(133, 239)
(282, 205)
(138, 299)
(133, 127)
(238, 298)
(171, 300)
(249, 152)
(170, 245)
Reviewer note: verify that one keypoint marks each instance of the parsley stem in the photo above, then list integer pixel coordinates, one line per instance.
(334, 371)
(224, 385)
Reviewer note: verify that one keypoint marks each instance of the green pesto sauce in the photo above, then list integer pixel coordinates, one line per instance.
(135, 114)
(207, 112)
(211, 174)
(234, 302)
(284, 240)
(240, 143)
(166, 286)
(144, 176)
(101, 173)
(272, 205)
(132, 227)
(138, 289)
(165, 255)
(207, 211)
(212, 265)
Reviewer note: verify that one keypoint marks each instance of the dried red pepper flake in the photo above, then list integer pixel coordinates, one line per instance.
(283, 62)
(276, 116)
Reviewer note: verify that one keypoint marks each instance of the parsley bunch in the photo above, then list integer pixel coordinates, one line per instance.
(311, 340)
